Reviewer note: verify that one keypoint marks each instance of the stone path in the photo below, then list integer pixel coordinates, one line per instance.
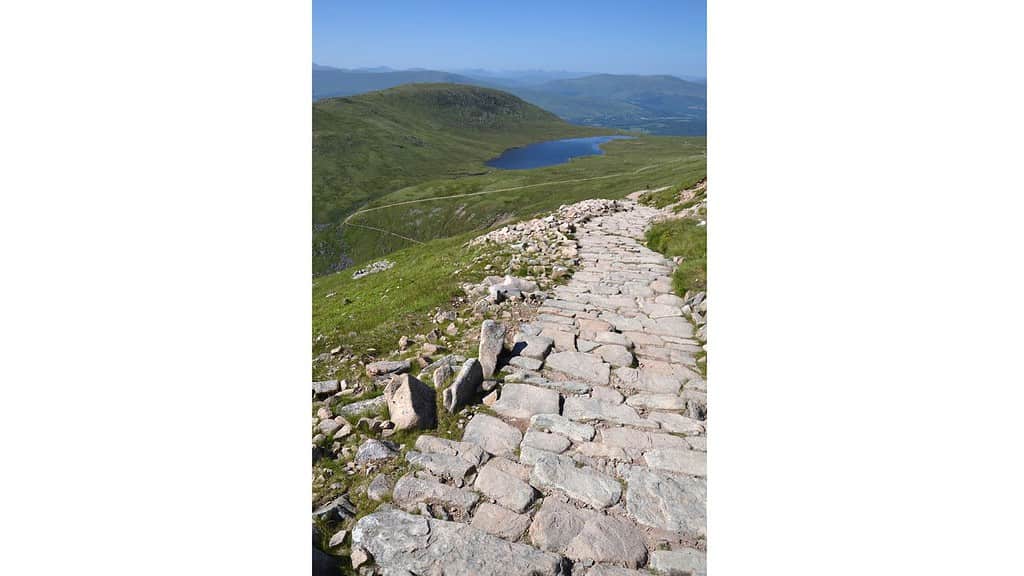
(595, 462)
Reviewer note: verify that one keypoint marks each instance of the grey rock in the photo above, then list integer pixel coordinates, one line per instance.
(600, 450)
(466, 384)
(336, 510)
(492, 337)
(580, 365)
(378, 488)
(586, 345)
(615, 355)
(525, 363)
(523, 401)
(338, 539)
(546, 441)
(442, 374)
(657, 401)
(681, 562)
(667, 501)
(535, 346)
(387, 367)
(606, 394)
(604, 570)
(591, 409)
(679, 460)
(564, 426)
(411, 403)
(613, 338)
(658, 381)
(493, 435)
(677, 423)
(411, 491)
(584, 484)
(406, 544)
(372, 405)
(565, 340)
(608, 539)
(500, 521)
(640, 439)
(556, 524)
(372, 450)
(503, 488)
(443, 465)
(359, 557)
(325, 387)
(469, 452)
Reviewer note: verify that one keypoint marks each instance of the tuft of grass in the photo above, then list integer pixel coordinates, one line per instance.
(686, 238)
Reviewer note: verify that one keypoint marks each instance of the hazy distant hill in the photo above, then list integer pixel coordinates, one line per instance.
(333, 82)
(658, 104)
(655, 104)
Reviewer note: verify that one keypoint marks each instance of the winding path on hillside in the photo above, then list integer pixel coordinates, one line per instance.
(597, 450)
(348, 219)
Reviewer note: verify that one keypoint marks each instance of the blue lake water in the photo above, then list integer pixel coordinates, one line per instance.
(550, 153)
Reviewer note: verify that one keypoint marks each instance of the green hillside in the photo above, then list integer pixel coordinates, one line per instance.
(333, 82)
(369, 145)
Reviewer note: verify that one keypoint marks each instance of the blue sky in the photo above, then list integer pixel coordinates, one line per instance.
(614, 36)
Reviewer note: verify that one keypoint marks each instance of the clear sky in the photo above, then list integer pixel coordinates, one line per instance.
(614, 36)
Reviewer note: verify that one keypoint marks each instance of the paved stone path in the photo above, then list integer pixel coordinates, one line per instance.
(596, 463)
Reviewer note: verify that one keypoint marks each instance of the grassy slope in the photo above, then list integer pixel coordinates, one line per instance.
(372, 144)
(627, 166)
(683, 237)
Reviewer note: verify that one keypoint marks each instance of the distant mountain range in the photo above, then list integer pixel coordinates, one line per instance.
(655, 104)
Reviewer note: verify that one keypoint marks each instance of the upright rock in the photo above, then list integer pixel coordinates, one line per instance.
(411, 403)
(492, 338)
(466, 384)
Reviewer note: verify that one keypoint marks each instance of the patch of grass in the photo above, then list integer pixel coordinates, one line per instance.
(686, 238)
(374, 311)
(662, 198)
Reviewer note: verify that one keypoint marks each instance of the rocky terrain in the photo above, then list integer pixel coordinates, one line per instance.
(570, 438)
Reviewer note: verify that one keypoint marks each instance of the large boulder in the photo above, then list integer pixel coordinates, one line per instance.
(466, 384)
(411, 403)
(492, 338)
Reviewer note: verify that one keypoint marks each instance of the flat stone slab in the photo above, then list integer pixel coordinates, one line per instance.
(580, 365)
(614, 354)
(584, 484)
(444, 465)
(535, 346)
(683, 561)
(526, 363)
(679, 460)
(677, 423)
(410, 491)
(505, 489)
(523, 401)
(469, 452)
(641, 439)
(591, 409)
(601, 450)
(326, 387)
(606, 394)
(493, 435)
(370, 405)
(546, 441)
(655, 401)
(608, 539)
(657, 381)
(556, 524)
(667, 501)
(564, 426)
(387, 367)
(565, 340)
(500, 521)
(613, 338)
(402, 543)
